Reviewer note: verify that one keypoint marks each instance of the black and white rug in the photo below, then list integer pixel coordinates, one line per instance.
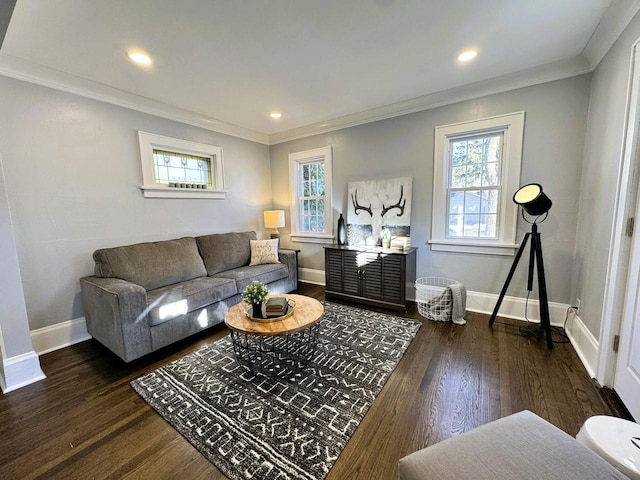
(293, 428)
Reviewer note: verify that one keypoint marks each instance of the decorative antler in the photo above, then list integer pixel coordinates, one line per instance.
(397, 205)
(359, 207)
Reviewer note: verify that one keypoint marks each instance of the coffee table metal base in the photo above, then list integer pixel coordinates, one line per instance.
(275, 355)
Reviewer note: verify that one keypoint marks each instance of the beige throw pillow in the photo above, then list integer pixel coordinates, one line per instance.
(264, 251)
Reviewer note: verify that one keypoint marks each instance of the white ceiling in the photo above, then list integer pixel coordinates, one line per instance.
(322, 63)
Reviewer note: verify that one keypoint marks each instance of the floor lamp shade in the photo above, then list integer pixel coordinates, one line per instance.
(274, 219)
(532, 199)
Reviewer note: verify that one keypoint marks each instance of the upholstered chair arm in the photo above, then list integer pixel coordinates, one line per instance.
(115, 311)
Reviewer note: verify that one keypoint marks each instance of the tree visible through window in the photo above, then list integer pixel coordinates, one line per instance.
(474, 186)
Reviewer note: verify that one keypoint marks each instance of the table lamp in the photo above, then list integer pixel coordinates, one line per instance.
(274, 219)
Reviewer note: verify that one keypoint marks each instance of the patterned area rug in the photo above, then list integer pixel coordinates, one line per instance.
(294, 428)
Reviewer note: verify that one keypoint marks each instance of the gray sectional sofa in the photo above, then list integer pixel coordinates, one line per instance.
(145, 296)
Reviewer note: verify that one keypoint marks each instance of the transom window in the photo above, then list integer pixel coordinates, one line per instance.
(474, 186)
(176, 168)
(476, 169)
(172, 167)
(311, 202)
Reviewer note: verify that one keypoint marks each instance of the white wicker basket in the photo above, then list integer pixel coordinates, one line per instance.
(433, 297)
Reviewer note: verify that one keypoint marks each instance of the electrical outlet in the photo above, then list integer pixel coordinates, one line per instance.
(577, 304)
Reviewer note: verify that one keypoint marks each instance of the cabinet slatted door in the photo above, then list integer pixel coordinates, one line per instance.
(333, 267)
(350, 273)
(394, 281)
(371, 286)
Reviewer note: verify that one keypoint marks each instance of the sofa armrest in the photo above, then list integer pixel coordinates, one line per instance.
(290, 259)
(288, 256)
(115, 311)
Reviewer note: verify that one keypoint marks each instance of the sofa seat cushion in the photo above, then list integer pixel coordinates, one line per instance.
(172, 301)
(224, 251)
(152, 264)
(266, 273)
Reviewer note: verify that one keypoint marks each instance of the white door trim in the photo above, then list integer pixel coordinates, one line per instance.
(619, 253)
(627, 379)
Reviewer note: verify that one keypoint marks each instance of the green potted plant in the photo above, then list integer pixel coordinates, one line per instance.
(254, 294)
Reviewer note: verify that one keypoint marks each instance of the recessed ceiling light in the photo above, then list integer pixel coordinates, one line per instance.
(467, 55)
(139, 57)
(275, 115)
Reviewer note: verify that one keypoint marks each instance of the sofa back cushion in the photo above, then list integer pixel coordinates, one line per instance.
(151, 264)
(224, 251)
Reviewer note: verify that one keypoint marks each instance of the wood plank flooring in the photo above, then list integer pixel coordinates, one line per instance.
(86, 422)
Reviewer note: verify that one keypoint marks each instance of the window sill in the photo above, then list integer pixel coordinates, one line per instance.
(312, 238)
(506, 249)
(161, 191)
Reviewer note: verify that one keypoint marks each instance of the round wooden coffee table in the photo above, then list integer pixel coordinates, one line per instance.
(275, 347)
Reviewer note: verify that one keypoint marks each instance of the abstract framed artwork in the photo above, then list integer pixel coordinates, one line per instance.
(377, 205)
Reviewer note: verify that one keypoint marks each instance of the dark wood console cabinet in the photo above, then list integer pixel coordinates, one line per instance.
(371, 275)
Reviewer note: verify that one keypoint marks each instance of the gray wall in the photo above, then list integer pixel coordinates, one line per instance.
(605, 128)
(403, 146)
(72, 169)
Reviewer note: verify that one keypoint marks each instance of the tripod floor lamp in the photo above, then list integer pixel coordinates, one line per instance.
(533, 201)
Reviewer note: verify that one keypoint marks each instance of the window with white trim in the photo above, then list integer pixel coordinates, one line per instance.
(476, 172)
(311, 199)
(176, 168)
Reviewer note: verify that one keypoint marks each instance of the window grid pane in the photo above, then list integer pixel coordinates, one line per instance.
(311, 200)
(474, 186)
(180, 167)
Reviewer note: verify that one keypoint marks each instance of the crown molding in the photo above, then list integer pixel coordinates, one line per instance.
(6, 11)
(524, 78)
(611, 26)
(33, 73)
(20, 69)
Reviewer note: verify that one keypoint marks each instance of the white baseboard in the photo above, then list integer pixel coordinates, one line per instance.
(515, 307)
(586, 345)
(310, 275)
(60, 335)
(20, 371)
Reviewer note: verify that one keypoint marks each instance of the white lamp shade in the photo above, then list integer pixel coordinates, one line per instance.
(274, 218)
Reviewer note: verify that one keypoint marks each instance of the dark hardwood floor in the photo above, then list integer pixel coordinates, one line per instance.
(86, 422)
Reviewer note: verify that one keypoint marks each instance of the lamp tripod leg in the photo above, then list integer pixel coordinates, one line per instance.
(509, 277)
(532, 262)
(545, 322)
